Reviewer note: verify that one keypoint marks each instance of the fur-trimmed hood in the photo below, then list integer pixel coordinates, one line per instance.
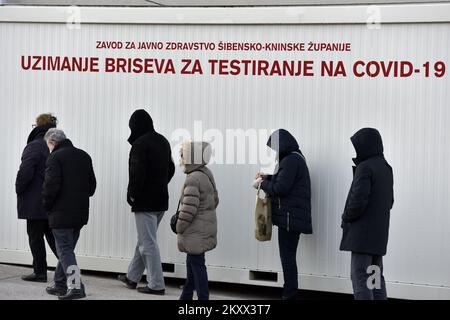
(195, 154)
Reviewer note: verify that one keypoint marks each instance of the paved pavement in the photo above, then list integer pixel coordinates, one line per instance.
(105, 286)
(100, 286)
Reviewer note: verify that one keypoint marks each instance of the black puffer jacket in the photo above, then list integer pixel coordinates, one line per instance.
(365, 220)
(69, 182)
(30, 176)
(150, 166)
(290, 186)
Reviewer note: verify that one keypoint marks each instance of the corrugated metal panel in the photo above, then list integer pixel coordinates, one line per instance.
(322, 113)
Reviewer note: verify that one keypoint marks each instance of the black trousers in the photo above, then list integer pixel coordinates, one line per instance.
(288, 244)
(37, 230)
(197, 278)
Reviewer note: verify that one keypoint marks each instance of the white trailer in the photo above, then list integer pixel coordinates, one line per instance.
(322, 110)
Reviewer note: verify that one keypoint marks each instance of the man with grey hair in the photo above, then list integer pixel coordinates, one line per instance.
(69, 183)
(54, 136)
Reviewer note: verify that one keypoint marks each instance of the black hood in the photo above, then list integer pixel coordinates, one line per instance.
(140, 124)
(367, 143)
(283, 143)
(39, 132)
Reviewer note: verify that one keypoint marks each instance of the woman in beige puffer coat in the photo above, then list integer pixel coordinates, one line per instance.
(197, 222)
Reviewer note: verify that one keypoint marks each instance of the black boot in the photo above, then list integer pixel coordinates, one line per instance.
(56, 291)
(130, 284)
(73, 294)
(151, 291)
(35, 277)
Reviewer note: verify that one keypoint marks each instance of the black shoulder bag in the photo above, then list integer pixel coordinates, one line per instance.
(174, 219)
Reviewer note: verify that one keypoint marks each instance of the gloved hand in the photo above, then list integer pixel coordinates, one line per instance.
(257, 183)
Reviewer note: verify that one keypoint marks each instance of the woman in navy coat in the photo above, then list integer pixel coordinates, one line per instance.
(290, 191)
(29, 182)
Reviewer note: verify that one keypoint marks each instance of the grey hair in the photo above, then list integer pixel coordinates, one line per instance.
(55, 135)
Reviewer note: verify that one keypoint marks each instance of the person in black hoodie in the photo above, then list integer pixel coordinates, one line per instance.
(150, 170)
(365, 220)
(29, 180)
(69, 183)
(290, 192)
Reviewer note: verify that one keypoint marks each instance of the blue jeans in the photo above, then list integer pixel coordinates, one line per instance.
(197, 278)
(288, 243)
(359, 275)
(66, 240)
(146, 254)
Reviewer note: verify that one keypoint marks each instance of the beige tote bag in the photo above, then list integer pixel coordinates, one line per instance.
(263, 218)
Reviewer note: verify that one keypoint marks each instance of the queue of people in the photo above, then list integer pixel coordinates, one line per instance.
(56, 180)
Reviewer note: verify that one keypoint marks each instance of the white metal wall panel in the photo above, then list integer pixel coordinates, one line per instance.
(427, 12)
(411, 113)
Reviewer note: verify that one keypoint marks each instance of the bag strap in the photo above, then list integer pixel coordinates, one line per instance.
(210, 180)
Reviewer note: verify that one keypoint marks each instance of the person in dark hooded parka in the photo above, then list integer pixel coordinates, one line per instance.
(365, 220)
(29, 181)
(150, 170)
(290, 191)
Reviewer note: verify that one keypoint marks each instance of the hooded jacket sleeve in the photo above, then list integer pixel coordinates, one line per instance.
(137, 172)
(189, 203)
(281, 183)
(52, 183)
(30, 159)
(359, 194)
